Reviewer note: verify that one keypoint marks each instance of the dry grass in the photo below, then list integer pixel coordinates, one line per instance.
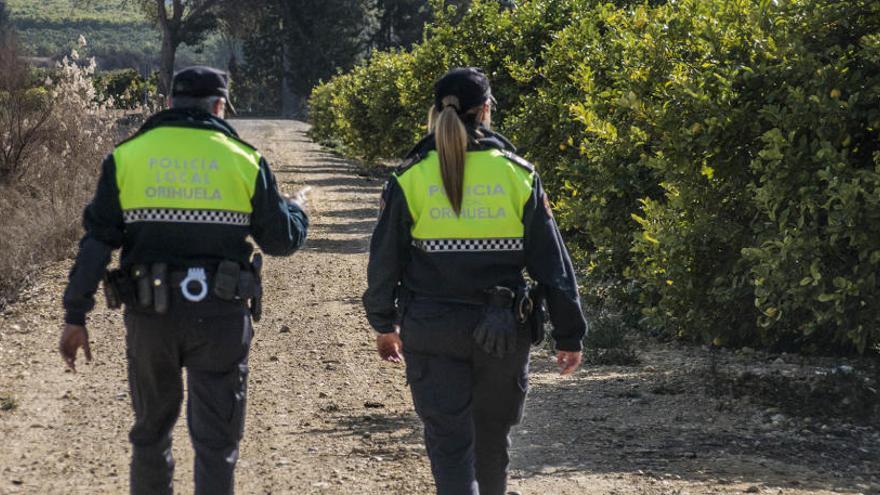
(41, 205)
(8, 403)
(33, 231)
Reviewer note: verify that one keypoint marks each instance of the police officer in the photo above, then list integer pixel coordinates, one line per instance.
(460, 221)
(180, 198)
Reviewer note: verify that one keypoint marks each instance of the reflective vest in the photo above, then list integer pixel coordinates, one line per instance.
(496, 190)
(178, 174)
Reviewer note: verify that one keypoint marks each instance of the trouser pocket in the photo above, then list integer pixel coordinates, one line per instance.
(501, 385)
(416, 378)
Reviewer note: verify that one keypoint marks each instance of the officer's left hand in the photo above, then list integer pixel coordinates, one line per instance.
(72, 338)
(390, 346)
(568, 362)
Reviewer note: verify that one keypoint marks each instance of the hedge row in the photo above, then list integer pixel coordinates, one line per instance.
(716, 161)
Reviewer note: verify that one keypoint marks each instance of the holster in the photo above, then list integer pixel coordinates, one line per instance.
(118, 289)
(256, 304)
(531, 310)
(402, 298)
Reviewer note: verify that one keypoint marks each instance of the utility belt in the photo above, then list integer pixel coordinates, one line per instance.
(155, 287)
(527, 303)
(506, 309)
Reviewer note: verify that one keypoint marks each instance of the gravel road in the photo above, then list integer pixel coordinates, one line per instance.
(326, 416)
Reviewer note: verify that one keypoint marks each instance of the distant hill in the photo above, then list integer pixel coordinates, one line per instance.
(116, 33)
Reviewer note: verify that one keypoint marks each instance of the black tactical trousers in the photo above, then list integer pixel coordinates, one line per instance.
(211, 340)
(467, 399)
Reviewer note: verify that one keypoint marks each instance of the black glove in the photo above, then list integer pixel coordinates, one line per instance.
(496, 333)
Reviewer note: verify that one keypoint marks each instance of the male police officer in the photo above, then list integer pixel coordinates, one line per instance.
(180, 197)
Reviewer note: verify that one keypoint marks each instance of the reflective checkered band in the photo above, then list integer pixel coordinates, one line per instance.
(187, 216)
(468, 245)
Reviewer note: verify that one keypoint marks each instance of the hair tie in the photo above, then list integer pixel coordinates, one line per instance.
(453, 105)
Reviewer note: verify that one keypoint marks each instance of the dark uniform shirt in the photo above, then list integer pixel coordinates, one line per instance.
(182, 237)
(461, 265)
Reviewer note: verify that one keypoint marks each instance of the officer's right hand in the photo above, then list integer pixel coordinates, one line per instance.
(72, 338)
(568, 361)
(390, 346)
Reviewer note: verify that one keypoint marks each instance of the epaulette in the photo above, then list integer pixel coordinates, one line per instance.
(522, 162)
(410, 161)
(508, 146)
(484, 138)
(417, 154)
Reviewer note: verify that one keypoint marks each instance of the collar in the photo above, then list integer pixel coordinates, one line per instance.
(479, 138)
(187, 117)
(482, 138)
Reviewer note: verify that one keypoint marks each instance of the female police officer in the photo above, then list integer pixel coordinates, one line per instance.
(460, 220)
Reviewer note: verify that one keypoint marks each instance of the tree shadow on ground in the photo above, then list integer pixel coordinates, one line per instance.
(375, 190)
(364, 213)
(346, 181)
(331, 166)
(615, 420)
(349, 228)
(357, 227)
(388, 434)
(338, 246)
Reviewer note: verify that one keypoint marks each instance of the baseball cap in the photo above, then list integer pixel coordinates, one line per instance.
(468, 84)
(199, 82)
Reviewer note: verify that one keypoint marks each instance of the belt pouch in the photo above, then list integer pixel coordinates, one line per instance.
(141, 276)
(226, 280)
(160, 287)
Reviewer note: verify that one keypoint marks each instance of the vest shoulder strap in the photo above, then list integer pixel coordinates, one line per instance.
(522, 162)
(412, 160)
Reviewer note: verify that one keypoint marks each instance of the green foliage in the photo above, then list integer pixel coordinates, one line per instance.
(126, 87)
(361, 109)
(393, 91)
(117, 33)
(4, 19)
(715, 162)
(52, 28)
(817, 179)
(292, 45)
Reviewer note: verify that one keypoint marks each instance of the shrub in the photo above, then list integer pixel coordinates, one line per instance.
(322, 113)
(608, 342)
(367, 107)
(712, 162)
(25, 113)
(42, 200)
(126, 88)
(817, 180)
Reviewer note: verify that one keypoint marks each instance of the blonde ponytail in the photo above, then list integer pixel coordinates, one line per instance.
(451, 137)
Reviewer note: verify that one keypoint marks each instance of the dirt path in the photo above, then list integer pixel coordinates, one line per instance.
(325, 416)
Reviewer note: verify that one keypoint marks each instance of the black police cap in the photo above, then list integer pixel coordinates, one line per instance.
(468, 84)
(201, 82)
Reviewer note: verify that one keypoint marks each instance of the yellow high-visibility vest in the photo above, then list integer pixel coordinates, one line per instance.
(496, 190)
(189, 175)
